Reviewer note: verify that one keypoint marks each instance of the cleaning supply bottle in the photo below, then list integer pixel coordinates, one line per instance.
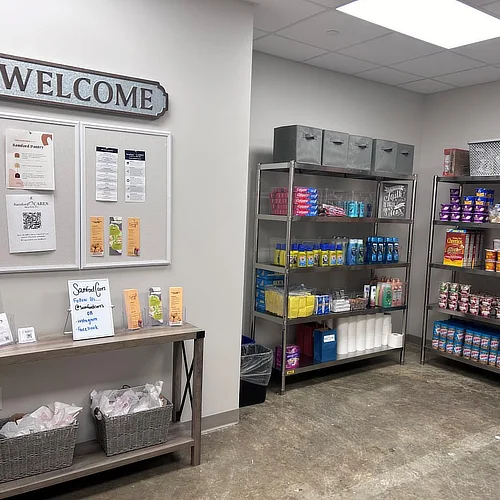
(283, 254)
(302, 257)
(325, 255)
(277, 251)
(352, 250)
(317, 254)
(332, 254)
(380, 249)
(309, 256)
(340, 254)
(360, 257)
(294, 255)
(395, 257)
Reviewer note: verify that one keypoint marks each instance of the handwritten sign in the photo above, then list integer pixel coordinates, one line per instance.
(91, 312)
(394, 201)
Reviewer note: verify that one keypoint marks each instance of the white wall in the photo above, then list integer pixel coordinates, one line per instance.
(285, 92)
(201, 52)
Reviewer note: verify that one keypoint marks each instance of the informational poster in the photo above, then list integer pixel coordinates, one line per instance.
(6, 336)
(135, 176)
(91, 310)
(106, 174)
(31, 222)
(134, 237)
(115, 235)
(29, 160)
(97, 236)
(394, 201)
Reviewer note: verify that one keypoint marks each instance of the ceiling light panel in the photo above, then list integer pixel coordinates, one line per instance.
(446, 23)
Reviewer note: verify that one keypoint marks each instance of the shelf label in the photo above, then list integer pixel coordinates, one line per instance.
(290, 372)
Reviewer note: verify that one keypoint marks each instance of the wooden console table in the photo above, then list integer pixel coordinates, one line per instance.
(89, 457)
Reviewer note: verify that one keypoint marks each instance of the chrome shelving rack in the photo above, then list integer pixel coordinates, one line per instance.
(455, 271)
(292, 169)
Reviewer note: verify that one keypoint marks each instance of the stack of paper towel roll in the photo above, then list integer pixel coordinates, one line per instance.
(387, 329)
(342, 336)
(379, 328)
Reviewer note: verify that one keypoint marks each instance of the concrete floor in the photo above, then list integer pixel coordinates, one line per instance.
(385, 432)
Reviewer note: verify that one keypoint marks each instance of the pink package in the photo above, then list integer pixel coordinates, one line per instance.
(292, 357)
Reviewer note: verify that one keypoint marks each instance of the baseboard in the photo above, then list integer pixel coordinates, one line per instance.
(220, 420)
(413, 339)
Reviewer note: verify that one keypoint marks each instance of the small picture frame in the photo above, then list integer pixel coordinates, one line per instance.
(26, 335)
(394, 200)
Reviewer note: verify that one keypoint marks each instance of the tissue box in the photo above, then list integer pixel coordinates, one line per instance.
(325, 345)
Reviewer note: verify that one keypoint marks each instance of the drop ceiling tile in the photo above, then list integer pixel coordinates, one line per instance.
(391, 49)
(438, 64)
(333, 4)
(426, 86)
(477, 3)
(387, 75)
(258, 34)
(289, 49)
(340, 63)
(351, 30)
(472, 76)
(271, 15)
(493, 8)
(487, 52)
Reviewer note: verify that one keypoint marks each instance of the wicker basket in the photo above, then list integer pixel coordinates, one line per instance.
(131, 432)
(36, 453)
(485, 158)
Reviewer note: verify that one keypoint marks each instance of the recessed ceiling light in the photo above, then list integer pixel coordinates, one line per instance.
(333, 32)
(447, 23)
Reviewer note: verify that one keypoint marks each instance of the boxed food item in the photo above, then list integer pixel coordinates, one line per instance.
(455, 248)
(456, 162)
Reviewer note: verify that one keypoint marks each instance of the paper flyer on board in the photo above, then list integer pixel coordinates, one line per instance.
(31, 222)
(29, 160)
(106, 174)
(97, 236)
(132, 309)
(134, 237)
(115, 235)
(135, 176)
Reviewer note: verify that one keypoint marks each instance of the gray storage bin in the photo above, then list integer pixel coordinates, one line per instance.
(297, 142)
(384, 157)
(404, 162)
(359, 156)
(335, 148)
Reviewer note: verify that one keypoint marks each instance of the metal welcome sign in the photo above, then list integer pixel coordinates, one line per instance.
(41, 82)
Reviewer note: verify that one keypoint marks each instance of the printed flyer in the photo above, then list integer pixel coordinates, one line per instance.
(134, 237)
(115, 235)
(97, 236)
(30, 160)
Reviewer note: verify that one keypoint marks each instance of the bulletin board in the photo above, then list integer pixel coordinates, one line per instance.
(154, 213)
(66, 256)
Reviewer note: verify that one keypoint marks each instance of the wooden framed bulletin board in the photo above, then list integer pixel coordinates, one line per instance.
(126, 180)
(63, 135)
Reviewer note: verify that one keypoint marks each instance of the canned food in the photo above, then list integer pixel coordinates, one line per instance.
(490, 265)
(497, 266)
(491, 254)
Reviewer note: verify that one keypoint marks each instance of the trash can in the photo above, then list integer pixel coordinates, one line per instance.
(255, 373)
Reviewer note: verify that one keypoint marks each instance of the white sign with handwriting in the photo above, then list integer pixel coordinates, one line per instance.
(91, 311)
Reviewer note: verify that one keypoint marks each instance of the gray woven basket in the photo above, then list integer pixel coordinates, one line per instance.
(36, 453)
(131, 432)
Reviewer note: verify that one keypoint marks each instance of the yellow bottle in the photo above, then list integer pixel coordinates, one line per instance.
(324, 260)
(294, 256)
(302, 257)
(332, 254)
(317, 254)
(283, 255)
(310, 256)
(277, 251)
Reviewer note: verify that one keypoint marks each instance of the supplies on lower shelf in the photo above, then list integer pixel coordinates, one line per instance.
(461, 297)
(292, 357)
(467, 340)
(262, 281)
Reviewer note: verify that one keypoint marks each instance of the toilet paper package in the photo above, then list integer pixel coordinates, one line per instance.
(351, 336)
(370, 332)
(379, 327)
(343, 336)
(361, 333)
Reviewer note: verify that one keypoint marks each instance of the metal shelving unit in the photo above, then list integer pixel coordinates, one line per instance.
(425, 344)
(292, 169)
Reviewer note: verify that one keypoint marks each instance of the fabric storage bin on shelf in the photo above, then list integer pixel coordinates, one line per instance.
(384, 156)
(335, 148)
(404, 161)
(485, 157)
(36, 453)
(359, 155)
(134, 431)
(297, 142)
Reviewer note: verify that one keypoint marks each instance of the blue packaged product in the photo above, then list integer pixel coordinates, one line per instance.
(449, 347)
(450, 334)
(395, 257)
(318, 307)
(340, 254)
(374, 250)
(368, 210)
(361, 209)
(325, 345)
(476, 338)
(390, 250)
(474, 353)
(380, 249)
(485, 341)
(466, 352)
(360, 253)
(436, 331)
(326, 305)
(352, 209)
(459, 334)
(457, 349)
(352, 251)
(492, 358)
(484, 356)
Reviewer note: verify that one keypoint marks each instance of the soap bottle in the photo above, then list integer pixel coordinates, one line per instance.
(317, 254)
(283, 254)
(360, 257)
(390, 250)
(332, 254)
(277, 251)
(380, 249)
(294, 255)
(302, 257)
(325, 255)
(309, 256)
(387, 295)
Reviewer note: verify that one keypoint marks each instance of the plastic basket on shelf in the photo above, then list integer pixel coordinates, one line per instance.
(36, 453)
(131, 432)
(485, 158)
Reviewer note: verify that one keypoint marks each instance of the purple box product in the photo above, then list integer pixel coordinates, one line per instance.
(456, 207)
(455, 216)
(480, 218)
(444, 216)
(474, 353)
(454, 200)
(466, 353)
(467, 218)
(469, 200)
(454, 192)
(480, 209)
(292, 357)
(445, 207)
(468, 209)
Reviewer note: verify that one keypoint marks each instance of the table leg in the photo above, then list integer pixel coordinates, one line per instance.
(176, 380)
(197, 399)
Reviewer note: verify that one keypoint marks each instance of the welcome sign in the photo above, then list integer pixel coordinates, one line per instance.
(41, 82)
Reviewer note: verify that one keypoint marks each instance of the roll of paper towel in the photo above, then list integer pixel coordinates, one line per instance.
(370, 332)
(395, 340)
(385, 335)
(342, 348)
(351, 336)
(342, 330)
(361, 333)
(379, 327)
